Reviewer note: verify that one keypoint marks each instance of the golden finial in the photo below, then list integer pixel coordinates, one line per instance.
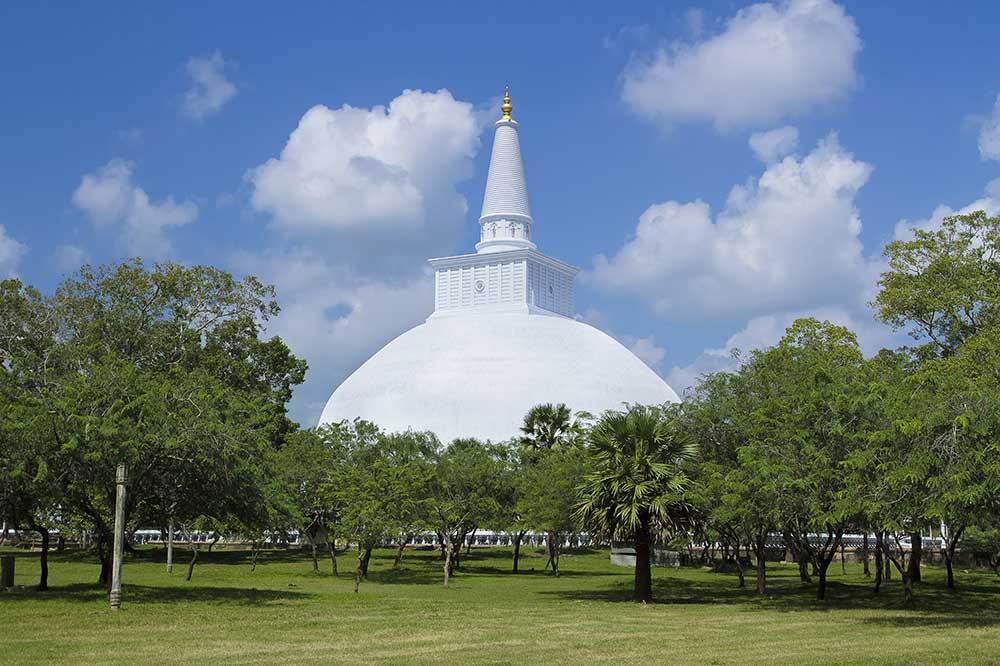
(506, 107)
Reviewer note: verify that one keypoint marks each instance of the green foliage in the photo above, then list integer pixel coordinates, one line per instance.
(637, 461)
(944, 284)
(162, 369)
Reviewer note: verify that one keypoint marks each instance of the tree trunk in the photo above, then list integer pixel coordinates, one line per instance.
(864, 555)
(170, 547)
(804, 576)
(254, 551)
(360, 571)
(739, 566)
(843, 560)
(949, 555)
(643, 572)
(332, 545)
(554, 552)
(821, 588)
(758, 551)
(517, 547)
(886, 564)
(215, 540)
(366, 560)
(43, 578)
(907, 586)
(194, 557)
(104, 554)
(825, 559)
(315, 552)
(399, 553)
(916, 550)
(447, 563)
(468, 546)
(879, 562)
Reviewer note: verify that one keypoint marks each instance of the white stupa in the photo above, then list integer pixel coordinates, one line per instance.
(502, 337)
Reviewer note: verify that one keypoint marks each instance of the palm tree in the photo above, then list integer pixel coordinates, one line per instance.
(637, 482)
(546, 426)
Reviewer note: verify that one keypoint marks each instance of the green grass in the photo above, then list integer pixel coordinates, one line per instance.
(285, 613)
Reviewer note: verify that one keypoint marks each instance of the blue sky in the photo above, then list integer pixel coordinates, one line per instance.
(173, 132)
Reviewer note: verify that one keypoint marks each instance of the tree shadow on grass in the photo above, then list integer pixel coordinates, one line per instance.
(973, 605)
(146, 594)
(422, 566)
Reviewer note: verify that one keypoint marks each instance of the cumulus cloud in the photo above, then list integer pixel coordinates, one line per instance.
(765, 331)
(989, 134)
(334, 318)
(989, 203)
(770, 61)
(11, 252)
(390, 171)
(788, 240)
(210, 89)
(771, 146)
(110, 198)
(647, 350)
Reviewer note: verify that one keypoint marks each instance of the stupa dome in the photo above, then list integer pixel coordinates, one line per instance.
(478, 376)
(502, 337)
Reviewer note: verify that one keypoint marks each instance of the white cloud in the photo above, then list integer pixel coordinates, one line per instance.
(989, 202)
(765, 331)
(789, 240)
(109, 197)
(333, 318)
(389, 170)
(770, 61)
(989, 135)
(771, 146)
(69, 257)
(647, 350)
(11, 252)
(210, 89)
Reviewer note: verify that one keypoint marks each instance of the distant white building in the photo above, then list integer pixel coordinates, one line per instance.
(502, 337)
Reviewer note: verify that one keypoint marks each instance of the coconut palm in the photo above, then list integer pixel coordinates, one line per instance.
(637, 482)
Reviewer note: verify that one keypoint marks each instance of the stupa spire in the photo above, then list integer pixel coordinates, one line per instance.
(505, 222)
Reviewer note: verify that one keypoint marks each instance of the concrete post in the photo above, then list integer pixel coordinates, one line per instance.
(116, 563)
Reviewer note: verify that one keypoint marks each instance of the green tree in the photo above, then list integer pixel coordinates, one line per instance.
(29, 487)
(550, 466)
(804, 426)
(162, 369)
(468, 477)
(943, 287)
(304, 493)
(636, 482)
(733, 496)
(548, 498)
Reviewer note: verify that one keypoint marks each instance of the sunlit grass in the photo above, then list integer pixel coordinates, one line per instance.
(285, 613)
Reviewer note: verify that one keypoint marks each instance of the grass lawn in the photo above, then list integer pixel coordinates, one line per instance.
(285, 613)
